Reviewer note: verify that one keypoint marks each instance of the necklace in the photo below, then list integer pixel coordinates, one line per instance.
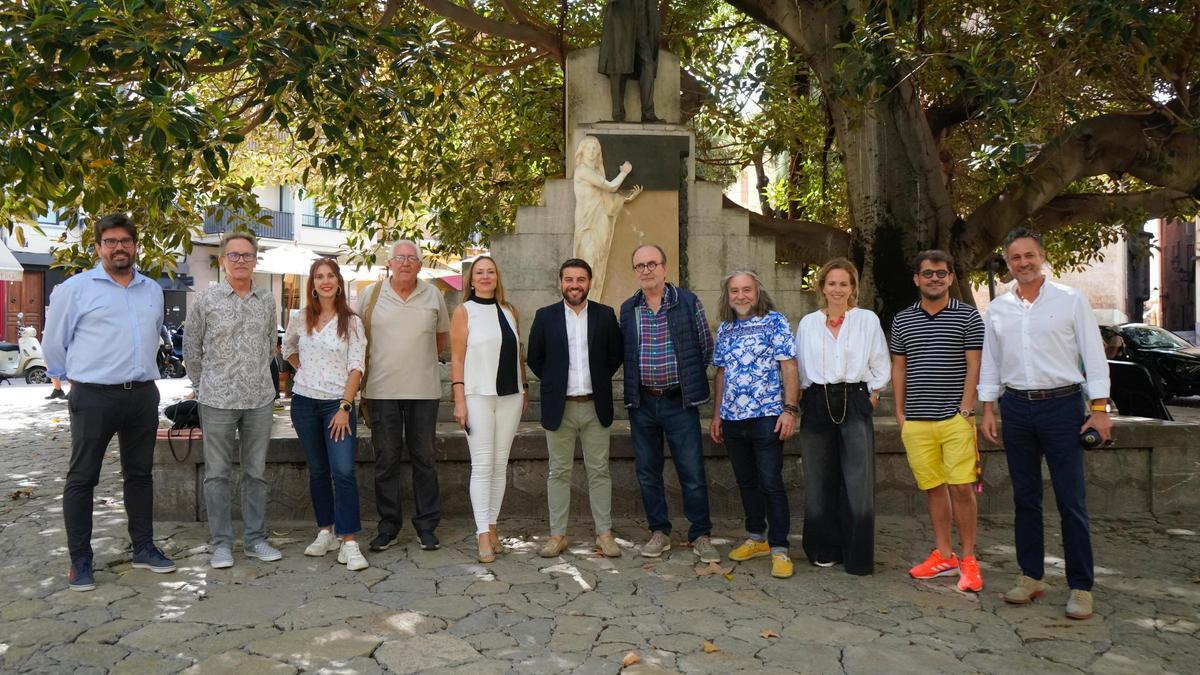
(845, 397)
(825, 372)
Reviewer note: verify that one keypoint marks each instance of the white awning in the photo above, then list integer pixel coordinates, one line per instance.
(290, 259)
(10, 269)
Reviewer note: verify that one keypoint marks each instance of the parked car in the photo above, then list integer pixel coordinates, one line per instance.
(1170, 358)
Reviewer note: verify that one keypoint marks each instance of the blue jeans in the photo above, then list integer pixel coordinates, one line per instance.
(331, 482)
(756, 454)
(659, 416)
(224, 431)
(837, 451)
(1031, 430)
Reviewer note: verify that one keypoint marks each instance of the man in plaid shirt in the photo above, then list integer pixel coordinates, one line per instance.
(668, 346)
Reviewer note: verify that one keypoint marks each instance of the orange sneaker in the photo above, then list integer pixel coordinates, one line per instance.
(968, 575)
(935, 566)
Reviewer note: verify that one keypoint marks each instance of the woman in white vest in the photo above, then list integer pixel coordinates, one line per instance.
(490, 391)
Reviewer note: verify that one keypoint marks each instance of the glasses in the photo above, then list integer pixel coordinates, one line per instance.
(398, 259)
(241, 257)
(645, 267)
(929, 274)
(124, 242)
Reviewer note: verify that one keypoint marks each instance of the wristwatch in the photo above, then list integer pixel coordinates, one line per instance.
(966, 413)
(346, 406)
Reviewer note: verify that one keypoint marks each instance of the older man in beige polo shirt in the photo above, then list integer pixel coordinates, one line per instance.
(407, 326)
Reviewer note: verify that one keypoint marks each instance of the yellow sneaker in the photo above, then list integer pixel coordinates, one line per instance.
(750, 549)
(781, 566)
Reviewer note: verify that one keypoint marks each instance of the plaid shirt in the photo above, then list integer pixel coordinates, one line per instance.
(656, 353)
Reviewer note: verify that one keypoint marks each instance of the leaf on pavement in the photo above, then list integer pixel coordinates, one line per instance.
(24, 492)
(631, 659)
(709, 647)
(709, 569)
(768, 633)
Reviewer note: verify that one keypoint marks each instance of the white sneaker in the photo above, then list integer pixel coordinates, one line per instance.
(324, 543)
(351, 557)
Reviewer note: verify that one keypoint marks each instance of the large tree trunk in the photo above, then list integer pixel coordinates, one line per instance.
(896, 190)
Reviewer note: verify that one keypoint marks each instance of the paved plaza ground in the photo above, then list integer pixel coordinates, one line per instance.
(415, 611)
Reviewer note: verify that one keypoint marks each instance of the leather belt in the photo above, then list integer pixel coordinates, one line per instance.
(580, 399)
(1045, 394)
(668, 392)
(123, 385)
(849, 386)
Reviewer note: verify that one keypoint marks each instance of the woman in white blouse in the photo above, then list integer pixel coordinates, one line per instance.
(490, 392)
(844, 363)
(327, 349)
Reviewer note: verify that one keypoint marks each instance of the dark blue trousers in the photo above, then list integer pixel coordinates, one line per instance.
(1033, 430)
(756, 454)
(656, 418)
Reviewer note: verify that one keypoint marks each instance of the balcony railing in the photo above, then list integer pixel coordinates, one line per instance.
(323, 222)
(279, 227)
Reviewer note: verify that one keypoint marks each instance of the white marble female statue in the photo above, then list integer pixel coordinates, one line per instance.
(597, 203)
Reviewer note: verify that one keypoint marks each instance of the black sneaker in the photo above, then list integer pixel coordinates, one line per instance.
(55, 394)
(429, 541)
(81, 578)
(382, 541)
(150, 558)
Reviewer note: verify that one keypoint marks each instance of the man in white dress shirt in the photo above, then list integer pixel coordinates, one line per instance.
(1037, 338)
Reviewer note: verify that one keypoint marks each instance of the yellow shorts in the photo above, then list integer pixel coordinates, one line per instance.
(941, 452)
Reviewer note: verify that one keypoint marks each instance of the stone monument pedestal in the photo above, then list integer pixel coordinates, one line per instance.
(704, 240)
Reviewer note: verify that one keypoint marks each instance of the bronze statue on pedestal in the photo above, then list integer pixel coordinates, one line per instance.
(629, 50)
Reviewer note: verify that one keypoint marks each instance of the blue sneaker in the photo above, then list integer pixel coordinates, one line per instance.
(80, 578)
(150, 558)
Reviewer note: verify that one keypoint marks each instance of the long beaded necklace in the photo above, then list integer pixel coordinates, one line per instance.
(825, 370)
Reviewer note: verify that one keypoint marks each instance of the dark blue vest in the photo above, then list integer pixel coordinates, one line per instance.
(681, 322)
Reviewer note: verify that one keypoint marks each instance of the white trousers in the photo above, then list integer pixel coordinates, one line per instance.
(493, 422)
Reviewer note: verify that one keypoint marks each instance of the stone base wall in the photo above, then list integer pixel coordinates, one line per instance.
(1155, 467)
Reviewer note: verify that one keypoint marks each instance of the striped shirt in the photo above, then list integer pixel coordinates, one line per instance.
(934, 347)
(656, 353)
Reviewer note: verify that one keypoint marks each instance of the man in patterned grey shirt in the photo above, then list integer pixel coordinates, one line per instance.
(228, 346)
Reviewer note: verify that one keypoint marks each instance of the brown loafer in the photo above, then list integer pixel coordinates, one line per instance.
(554, 547)
(608, 545)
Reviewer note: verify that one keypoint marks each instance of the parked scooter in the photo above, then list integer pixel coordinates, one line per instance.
(24, 358)
(170, 353)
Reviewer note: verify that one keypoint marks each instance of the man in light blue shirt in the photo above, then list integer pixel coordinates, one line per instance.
(102, 331)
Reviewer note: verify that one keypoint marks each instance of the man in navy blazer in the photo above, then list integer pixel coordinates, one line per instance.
(575, 349)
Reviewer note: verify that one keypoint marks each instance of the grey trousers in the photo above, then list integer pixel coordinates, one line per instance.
(223, 429)
(579, 421)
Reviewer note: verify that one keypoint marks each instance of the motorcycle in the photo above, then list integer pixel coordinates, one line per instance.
(170, 353)
(24, 358)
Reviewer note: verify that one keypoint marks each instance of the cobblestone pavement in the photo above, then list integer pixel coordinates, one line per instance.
(415, 611)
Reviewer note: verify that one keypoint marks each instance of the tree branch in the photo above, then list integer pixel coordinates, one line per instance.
(798, 241)
(694, 94)
(525, 34)
(1147, 146)
(943, 118)
(1101, 208)
(389, 12)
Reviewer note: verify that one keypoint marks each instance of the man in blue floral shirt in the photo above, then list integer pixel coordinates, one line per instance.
(757, 383)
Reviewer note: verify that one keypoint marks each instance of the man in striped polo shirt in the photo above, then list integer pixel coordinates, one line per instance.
(936, 348)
